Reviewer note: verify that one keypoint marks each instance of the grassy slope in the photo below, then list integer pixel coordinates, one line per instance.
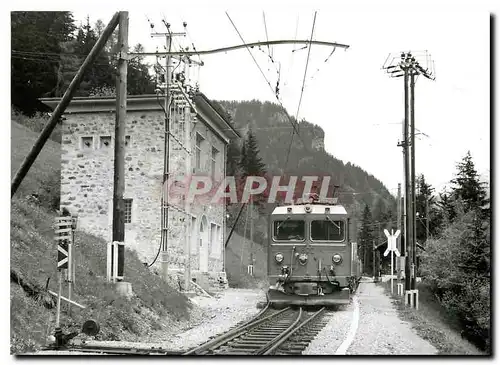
(33, 259)
(433, 323)
(237, 270)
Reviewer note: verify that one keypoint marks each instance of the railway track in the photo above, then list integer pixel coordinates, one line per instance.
(271, 332)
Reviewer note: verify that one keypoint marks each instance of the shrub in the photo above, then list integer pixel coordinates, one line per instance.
(456, 267)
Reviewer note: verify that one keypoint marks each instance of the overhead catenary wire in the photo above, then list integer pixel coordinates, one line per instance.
(300, 99)
(260, 69)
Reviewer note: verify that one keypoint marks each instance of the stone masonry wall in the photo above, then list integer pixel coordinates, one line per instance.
(87, 184)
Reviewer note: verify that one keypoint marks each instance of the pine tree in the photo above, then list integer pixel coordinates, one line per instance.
(35, 40)
(365, 238)
(425, 194)
(447, 208)
(467, 185)
(251, 163)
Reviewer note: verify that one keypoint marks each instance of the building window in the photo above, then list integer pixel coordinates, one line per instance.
(128, 210)
(215, 154)
(87, 143)
(199, 143)
(105, 142)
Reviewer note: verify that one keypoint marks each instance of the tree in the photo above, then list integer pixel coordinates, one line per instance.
(457, 268)
(139, 81)
(365, 239)
(35, 41)
(425, 200)
(467, 185)
(446, 206)
(251, 163)
(100, 73)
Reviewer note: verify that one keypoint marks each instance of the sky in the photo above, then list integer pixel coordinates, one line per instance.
(350, 96)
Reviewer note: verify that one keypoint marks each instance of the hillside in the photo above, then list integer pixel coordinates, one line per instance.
(273, 131)
(271, 127)
(237, 258)
(156, 305)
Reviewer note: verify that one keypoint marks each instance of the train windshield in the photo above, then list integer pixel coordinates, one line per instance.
(287, 230)
(327, 230)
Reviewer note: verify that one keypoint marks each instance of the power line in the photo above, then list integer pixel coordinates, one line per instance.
(260, 69)
(305, 71)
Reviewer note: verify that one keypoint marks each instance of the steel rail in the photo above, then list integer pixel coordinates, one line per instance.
(288, 335)
(228, 336)
(279, 338)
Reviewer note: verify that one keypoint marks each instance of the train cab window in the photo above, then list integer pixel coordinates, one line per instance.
(327, 230)
(289, 230)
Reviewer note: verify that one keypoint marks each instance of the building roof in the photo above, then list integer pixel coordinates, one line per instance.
(102, 104)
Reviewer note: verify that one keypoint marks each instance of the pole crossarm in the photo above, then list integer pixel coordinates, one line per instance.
(241, 46)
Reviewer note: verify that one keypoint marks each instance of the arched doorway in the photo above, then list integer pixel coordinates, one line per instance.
(203, 241)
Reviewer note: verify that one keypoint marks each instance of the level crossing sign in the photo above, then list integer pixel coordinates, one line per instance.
(391, 242)
(64, 238)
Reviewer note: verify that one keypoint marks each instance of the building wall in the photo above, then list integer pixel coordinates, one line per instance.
(87, 184)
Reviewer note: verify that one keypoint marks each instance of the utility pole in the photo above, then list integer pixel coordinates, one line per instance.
(408, 231)
(166, 161)
(413, 194)
(398, 242)
(119, 147)
(408, 67)
(426, 220)
(374, 249)
(187, 133)
(251, 234)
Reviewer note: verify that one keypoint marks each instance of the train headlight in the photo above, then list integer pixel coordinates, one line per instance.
(337, 259)
(279, 257)
(302, 258)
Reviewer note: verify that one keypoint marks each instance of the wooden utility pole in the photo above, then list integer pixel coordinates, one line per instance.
(408, 227)
(426, 220)
(374, 272)
(68, 95)
(398, 242)
(119, 162)
(187, 137)
(408, 68)
(413, 195)
(166, 163)
(251, 234)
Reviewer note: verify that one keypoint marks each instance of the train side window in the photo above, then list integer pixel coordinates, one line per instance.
(326, 230)
(289, 230)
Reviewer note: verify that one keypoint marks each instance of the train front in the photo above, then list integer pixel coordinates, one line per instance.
(311, 259)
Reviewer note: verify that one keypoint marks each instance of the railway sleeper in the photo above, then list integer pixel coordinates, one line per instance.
(246, 346)
(256, 340)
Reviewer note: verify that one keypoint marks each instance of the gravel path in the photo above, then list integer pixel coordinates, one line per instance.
(381, 331)
(328, 340)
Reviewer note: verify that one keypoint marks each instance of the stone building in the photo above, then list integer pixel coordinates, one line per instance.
(87, 159)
